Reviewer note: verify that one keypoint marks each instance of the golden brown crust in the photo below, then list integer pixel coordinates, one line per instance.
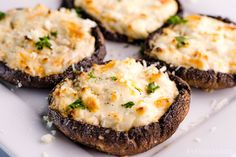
(137, 139)
(207, 80)
(26, 80)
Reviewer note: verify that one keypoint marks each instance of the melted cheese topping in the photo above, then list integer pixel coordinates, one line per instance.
(133, 18)
(210, 45)
(22, 29)
(104, 96)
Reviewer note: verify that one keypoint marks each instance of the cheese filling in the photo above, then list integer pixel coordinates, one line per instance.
(43, 42)
(118, 95)
(202, 42)
(133, 18)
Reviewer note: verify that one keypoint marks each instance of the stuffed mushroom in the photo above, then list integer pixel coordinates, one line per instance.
(125, 20)
(200, 49)
(39, 46)
(120, 107)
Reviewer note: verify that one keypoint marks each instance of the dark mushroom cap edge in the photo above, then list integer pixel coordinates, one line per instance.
(17, 76)
(206, 80)
(137, 139)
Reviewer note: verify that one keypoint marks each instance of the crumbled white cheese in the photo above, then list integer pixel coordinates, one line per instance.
(107, 131)
(34, 55)
(74, 127)
(73, 68)
(100, 137)
(65, 41)
(34, 34)
(19, 84)
(178, 68)
(47, 138)
(81, 69)
(48, 24)
(45, 118)
(53, 132)
(67, 123)
(163, 69)
(144, 63)
(48, 122)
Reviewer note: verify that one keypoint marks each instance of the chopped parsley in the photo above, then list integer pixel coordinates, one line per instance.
(2, 15)
(78, 11)
(129, 104)
(152, 87)
(77, 104)
(43, 42)
(175, 20)
(53, 33)
(113, 78)
(91, 75)
(138, 89)
(181, 41)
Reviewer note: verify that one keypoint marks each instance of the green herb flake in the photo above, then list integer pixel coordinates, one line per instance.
(152, 87)
(43, 42)
(175, 20)
(138, 89)
(54, 34)
(181, 41)
(77, 104)
(129, 104)
(78, 11)
(2, 15)
(113, 78)
(91, 75)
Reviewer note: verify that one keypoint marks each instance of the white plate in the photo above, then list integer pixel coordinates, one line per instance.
(207, 130)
